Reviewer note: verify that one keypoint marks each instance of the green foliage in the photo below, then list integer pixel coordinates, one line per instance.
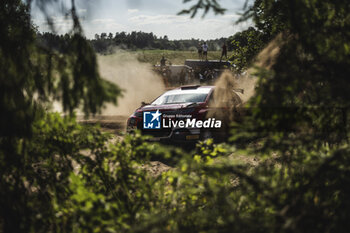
(300, 110)
(37, 169)
(268, 17)
(67, 177)
(246, 45)
(31, 142)
(303, 99)
(299, 116)
(78, 179)
(32, 76)
(110, 191)
(206, 6)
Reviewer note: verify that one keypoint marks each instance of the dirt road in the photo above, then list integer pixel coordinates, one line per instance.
(113, 124)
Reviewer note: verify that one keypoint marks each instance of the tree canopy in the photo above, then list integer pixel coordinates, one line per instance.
(104, 44)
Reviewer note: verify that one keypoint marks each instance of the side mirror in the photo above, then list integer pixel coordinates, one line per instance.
(239, 90)
(144, 103)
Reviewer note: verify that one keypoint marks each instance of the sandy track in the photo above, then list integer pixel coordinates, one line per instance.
(113, 124)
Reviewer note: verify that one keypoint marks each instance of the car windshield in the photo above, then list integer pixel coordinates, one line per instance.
(179, 98)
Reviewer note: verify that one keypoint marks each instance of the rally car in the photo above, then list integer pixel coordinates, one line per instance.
(183, 114)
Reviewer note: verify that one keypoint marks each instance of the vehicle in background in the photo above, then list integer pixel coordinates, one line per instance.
(193, 72)
(175, 75)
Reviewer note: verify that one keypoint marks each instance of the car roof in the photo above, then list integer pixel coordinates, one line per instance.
(190, 89)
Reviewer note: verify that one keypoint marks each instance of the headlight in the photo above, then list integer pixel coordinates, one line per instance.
(132, 121)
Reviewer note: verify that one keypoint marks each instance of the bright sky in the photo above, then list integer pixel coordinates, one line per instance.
(157, 16)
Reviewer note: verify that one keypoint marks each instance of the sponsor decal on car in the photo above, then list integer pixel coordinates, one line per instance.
(153, 120)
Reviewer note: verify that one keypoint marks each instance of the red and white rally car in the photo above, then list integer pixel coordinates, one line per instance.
(181, 115)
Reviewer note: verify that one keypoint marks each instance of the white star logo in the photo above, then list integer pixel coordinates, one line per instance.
(155, 115)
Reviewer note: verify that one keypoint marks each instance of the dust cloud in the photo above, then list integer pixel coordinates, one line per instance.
(231, 92)
(235, 88)
(137, 80)
(227, 95)
(247, 81)
(267, 57)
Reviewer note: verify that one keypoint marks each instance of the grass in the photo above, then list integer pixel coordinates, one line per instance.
(175, 57)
